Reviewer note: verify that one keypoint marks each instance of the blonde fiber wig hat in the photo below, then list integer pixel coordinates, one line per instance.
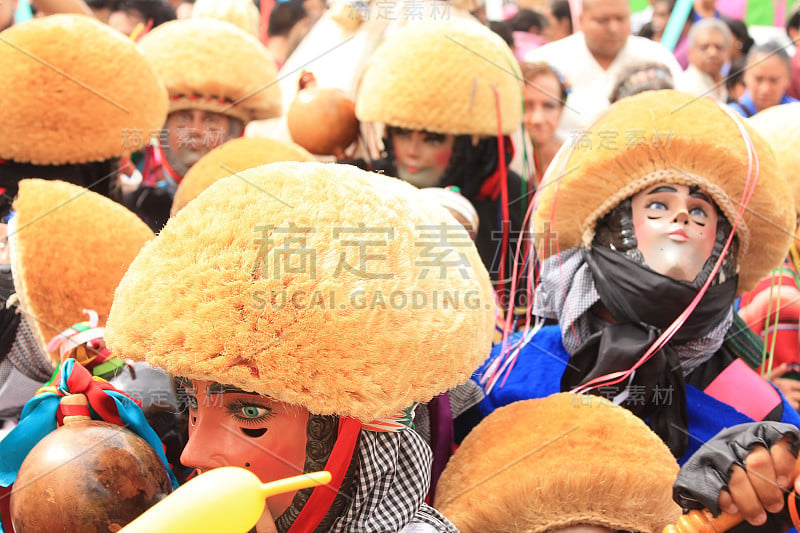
(315, 284)
(539, 465)
(74, 91)
(232, 157)
(69, 250)
(778, 125)
(212, 65)
(441, 76)
(667, 137)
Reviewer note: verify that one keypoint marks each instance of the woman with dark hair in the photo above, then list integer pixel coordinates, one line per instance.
(742, 42)
(767, 75)
(544, 95)
(560, 20)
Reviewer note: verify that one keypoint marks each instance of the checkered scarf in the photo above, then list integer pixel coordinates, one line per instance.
(24, 369)
(393, 477)
(567, 291)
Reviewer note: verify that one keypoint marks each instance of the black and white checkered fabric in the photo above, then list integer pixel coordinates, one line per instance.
(25, 368)
(567, 291)
(393, 479)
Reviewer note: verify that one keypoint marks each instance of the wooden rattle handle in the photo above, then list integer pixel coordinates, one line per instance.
(75, 408)
(704, 522)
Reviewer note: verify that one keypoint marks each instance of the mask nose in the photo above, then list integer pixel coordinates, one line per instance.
(199, 450)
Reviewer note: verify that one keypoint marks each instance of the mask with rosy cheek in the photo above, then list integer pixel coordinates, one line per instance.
(233, 428)
(675, 228)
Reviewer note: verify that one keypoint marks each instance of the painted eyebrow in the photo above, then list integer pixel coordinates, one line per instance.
(701, 196)
(219, 388)
(663, 188)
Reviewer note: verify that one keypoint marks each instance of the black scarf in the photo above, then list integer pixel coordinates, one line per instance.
(643, 303)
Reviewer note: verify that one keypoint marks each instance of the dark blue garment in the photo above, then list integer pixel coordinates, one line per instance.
(541, 363)
(745, 106)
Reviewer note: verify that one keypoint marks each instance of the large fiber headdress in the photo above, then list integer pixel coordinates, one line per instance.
(538, 465)
(69, 250)
(232, 157)
(212, 65)
(318, 285)
(667, 136)
(441, 76)
(778, 125)
(89, 100)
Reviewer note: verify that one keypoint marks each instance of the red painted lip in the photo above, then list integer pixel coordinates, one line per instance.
(412, 169)
(679, 235)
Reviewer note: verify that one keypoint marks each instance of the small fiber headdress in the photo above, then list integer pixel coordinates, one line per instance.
(69, 250)
(212, 65)
(441, 76)
(232, 157)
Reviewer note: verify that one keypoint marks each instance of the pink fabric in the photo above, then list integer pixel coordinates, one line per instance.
(524, 42)
(681, 52)
(509, 10)
(744, 390)
(794, 86)
(736, 9)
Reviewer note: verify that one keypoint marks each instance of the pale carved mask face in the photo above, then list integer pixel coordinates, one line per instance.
(675, 227)
(230, 427)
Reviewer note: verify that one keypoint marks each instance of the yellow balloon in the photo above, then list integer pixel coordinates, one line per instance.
(227, 499)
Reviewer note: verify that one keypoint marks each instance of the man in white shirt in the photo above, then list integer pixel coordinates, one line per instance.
(592, 59)
(709, 46)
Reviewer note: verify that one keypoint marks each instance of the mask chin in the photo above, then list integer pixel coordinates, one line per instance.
(423, 178)
(671, 260)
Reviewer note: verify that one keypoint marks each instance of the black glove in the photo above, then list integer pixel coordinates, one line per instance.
(708, 471)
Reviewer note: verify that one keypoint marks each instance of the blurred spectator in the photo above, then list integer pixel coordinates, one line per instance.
(529, 21)
(41, 8)
(705, 9)
(128, 14)
(709, 49)
(7, 8)
(528, 29)
(641, 21)
(560, 18)
(241, 13)
(641, 77)
(502, 28)
(662, 9)
(544, 94)
(101, 9)
(793, 31)
(593, 58)
(288, 24)
(734, 82)
(185, 9)
(767, 75)
(315, 8)
(742, 42)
